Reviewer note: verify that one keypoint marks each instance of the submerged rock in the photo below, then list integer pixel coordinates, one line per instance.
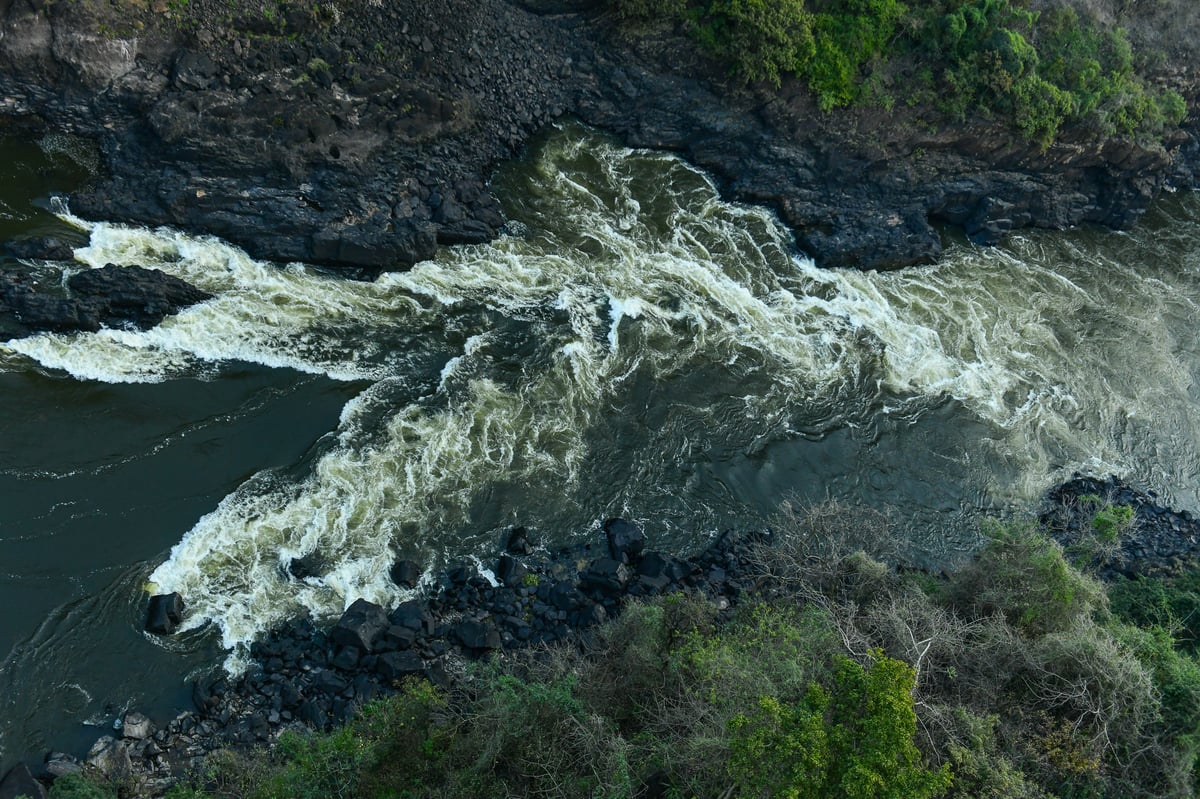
(164, 614)
(19, 782)
(111, 296)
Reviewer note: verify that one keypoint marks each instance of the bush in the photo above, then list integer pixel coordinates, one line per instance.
(761, 39)
(853, 740)
(77, 786)
(1023, 574)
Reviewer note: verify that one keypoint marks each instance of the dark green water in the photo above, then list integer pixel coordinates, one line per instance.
(635, 346)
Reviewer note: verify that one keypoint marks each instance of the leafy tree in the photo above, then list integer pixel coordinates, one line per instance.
(854, 740)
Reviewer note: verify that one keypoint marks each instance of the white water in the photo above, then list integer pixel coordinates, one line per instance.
(494, 367)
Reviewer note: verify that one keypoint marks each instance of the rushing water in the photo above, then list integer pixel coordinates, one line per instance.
(632, 346)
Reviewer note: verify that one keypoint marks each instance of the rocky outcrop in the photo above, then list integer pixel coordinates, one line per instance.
(111, 296)
(315, 676)
(362, 135)
(1155, 541)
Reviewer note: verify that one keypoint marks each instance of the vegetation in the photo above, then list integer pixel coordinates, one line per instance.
(1040, 71)
(1016, 676)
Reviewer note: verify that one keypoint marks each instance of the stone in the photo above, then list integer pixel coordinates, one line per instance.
(312, 715)
(165, 613)
(346, 658)
(395, 637)
(565, 596)
(393, 666)
(136, 726)
(414, 615)
(477, 635)
(406, 573)
(111, 758)
(518, 542)
(625, 539)
(43, 248)
(510, 571)
(606, 575)
(60, 764)
(19, 782)
(359, 625)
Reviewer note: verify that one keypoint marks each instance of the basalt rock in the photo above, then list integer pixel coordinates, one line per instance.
(164, 614)
(1158, 541)
(110, 296)
(19, 782)
(364, 139)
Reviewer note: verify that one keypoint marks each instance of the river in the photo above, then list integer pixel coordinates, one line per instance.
(633, 345)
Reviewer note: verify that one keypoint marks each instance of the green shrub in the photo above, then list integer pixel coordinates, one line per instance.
(853, 740)
(1023, 574)
(761, 39)
(1173, 605)
(78, 786)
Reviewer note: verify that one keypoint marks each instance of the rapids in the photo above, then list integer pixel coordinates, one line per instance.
(632, 345)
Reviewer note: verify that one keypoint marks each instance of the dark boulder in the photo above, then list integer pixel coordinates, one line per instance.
(518, 542)
(359, 625)
(109, 296)
(565, 596)
(477, 635)
(18, 782)
(625, 539)
(406, 573)
(133, 295)
(165, 613)
(606, 575)
(414, 615)
(393, 666)
(510, 571)
(395, 637)
(43, 248)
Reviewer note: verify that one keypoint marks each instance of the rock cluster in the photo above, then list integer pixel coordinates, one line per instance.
(1158, 542)
(362, 135)
(315, 676)
(111, 296)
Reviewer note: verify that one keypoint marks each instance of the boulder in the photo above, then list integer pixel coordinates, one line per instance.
(606, 575)
(565, 596)
(165, 613)
(42, 248)
(406, 573)
(414, 615)
(18, 782)
(510, 571)
(477, 635)
(518, 542)
(393, 666)
(395, 637)
(625, 539)
(359, 625)
(60, 764)
(136, 726)
(111, 758)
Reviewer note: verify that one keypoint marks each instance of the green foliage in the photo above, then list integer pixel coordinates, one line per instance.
(650, 9)
(1173, 605)
(1021, 685)
(78, 786)
(1041, 71)
(853, 740)
(1023, 574)
(761, 39)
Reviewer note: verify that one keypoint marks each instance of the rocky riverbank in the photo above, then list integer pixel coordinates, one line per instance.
(1085, 514)
(308, 675)
(362, 135)
(312, 676)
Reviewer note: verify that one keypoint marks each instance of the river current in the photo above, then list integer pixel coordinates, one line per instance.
(633, 345)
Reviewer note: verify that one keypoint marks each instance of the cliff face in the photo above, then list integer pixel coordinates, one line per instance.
(359, 134)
